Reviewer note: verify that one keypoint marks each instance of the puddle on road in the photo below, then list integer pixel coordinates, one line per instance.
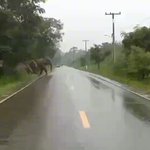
(138, 108)
(97, 84)
(3, 142)
(132, 103)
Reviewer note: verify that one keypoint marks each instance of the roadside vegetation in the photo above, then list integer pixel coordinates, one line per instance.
(132, 60)
(10, 84)
(25, 35)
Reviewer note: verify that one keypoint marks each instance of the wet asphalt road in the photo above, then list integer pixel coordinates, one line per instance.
(46, 116)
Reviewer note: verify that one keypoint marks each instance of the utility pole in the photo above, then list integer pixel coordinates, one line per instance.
(85, 42)
(113, 30)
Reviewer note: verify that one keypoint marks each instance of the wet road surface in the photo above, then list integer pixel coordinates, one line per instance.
(72, 110)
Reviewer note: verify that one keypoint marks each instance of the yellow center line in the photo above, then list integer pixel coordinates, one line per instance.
(84, 119)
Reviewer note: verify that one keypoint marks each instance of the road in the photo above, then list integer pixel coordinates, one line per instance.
(72, 110)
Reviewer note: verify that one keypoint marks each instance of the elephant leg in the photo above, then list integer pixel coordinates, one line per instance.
(41, 71)
(45, 70)
(51, 67)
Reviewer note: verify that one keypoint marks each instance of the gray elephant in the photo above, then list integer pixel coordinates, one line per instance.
(38, 65)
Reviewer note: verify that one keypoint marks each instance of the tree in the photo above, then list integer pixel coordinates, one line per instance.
(24, 33)
(137, 51)
(57, 59)
(98, 53)
(140, 37)
(139, 62)
(73, 57)
(48, 37)
(83, 61)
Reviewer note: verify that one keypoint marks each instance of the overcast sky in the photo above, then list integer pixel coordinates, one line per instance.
(85, 19)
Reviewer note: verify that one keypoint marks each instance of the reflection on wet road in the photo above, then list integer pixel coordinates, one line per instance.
(138, 108)
(72, 110)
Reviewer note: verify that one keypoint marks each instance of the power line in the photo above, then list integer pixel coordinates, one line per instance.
(113, 30)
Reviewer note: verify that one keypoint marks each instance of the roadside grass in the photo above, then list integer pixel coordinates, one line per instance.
(108, 70)
(142, 86)
(10, 84)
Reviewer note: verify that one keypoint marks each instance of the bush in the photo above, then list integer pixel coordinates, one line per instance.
(139, 62)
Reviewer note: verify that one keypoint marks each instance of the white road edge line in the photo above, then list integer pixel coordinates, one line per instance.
(18, 91)
(102, 78)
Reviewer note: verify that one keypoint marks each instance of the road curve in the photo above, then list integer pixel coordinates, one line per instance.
(72, 110)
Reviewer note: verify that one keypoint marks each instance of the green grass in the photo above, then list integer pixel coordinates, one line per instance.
(10, 84)
(108, 71)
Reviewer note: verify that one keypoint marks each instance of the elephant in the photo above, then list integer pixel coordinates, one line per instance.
(36, 66)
